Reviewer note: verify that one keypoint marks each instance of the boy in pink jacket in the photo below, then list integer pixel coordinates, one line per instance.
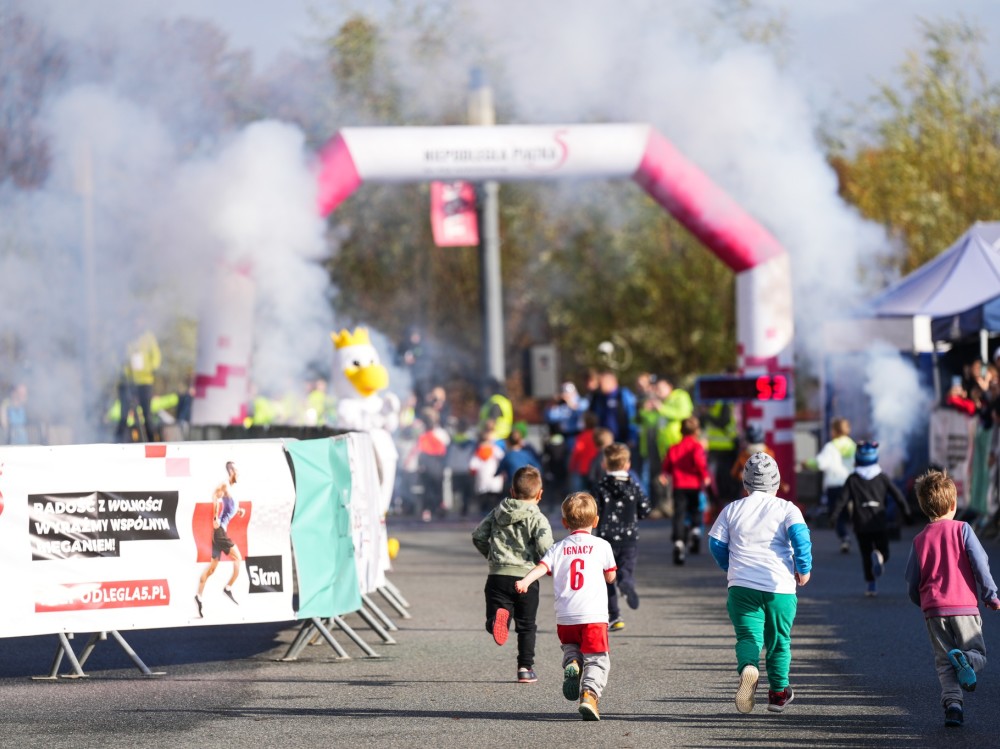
(947, 575)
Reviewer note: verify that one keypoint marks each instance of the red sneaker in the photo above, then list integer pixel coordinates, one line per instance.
(501, 626)
(777, 701)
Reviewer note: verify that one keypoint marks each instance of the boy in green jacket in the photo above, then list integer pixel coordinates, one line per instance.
(513, 538)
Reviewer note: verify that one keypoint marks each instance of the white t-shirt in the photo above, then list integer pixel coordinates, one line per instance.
(760, 552)
(484, 471)
(577, 565)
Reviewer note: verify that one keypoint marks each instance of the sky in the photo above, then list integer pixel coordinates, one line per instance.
(838, 50)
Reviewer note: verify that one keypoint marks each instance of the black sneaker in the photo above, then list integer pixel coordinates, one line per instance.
(231, 596)
(197, 602)
(678, 552)
(526, 676)
(631, 597)
(953, 715)
(695, 545)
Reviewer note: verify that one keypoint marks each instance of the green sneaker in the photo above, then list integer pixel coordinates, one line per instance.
(571, 681)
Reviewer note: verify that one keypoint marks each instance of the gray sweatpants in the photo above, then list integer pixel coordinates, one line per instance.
(594, 675)
(948, 633)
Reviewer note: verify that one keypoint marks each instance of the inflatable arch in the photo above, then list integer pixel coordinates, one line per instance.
(601, 151)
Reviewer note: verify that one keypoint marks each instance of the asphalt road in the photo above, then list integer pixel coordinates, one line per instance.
(862, 671)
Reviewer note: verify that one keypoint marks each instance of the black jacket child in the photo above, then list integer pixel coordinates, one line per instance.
(621, 504)
(865, 499)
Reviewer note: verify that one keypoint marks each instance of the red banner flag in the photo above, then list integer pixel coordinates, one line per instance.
(453, 214)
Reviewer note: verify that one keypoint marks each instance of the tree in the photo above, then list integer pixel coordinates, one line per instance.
(30, 64)
(608, 261)
(926, 169)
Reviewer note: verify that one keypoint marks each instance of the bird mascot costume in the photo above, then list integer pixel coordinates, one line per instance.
(364, 405)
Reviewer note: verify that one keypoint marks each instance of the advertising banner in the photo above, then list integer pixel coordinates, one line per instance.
(508, 152)
(952, 436)
(453, 214)
(114, 537)
(371, 552)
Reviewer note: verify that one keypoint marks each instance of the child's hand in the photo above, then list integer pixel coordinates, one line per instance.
(802, 579)
(994, 604)
(520, 587)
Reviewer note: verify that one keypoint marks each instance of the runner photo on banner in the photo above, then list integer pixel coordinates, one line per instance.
(114, 537)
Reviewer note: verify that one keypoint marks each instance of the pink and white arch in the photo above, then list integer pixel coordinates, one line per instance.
(636, 151)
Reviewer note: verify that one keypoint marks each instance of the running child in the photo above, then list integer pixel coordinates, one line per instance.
(948, 573)
(621, 504)
(513, 537)
(864, 498)
(763, 544)
(581, 566)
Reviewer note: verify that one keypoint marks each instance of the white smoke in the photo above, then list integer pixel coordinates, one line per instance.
(900, 403)
(139, 211)
(255, 205)
(727, 105)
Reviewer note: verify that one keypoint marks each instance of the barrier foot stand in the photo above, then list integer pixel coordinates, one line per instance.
(89, 647)
(346, 629)
(64, 648)
(397, 601)
(372, 622)
(386, 621)
(317, 635)
(298, 643)
(133, 655)
(303, 638)
(391, 600)
(395, 591)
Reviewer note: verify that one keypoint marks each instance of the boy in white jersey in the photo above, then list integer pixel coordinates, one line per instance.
(581, 566)
(763, 544)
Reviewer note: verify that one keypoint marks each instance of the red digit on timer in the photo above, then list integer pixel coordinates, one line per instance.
(780, 387)
(764, 388)
(772, 387)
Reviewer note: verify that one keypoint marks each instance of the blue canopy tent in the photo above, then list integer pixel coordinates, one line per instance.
(959, 289)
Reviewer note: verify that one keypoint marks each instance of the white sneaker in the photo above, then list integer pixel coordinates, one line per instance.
(878, 563)
(745, 698)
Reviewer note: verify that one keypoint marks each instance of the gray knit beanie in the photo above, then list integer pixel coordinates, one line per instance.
(761, 474)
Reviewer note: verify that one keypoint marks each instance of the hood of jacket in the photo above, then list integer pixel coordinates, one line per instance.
(513, 510)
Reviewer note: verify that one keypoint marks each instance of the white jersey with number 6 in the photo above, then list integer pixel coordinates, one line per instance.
(577, 565)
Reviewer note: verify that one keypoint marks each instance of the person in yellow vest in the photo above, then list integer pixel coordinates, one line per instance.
(321, 407)
(135, 388)
(723, 439)
(498, 409)
(159, 405)
(660, 429)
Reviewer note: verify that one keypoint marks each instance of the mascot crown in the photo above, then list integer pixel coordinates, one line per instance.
(345, 338)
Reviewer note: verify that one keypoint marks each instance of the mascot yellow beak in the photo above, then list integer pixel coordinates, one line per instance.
(369, 379)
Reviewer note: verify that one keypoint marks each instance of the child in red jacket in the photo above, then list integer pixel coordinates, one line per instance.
(685, 468)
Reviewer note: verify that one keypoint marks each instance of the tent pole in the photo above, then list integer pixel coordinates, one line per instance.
(984, 345)
(936, 373)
